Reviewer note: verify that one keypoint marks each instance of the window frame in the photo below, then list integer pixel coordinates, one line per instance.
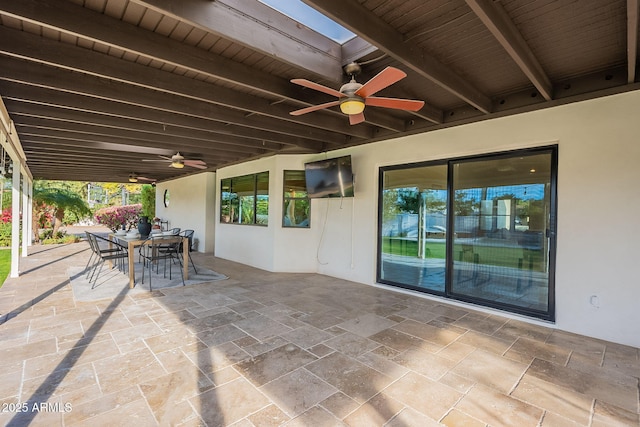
(550, 232)
(256, 196)
(286, 199)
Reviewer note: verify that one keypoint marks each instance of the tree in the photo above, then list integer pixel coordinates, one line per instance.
(56, 202)
(148, 200)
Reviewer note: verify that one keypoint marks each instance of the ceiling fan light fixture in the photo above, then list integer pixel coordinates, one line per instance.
(132, 178)
(177, 164)
(352, 105)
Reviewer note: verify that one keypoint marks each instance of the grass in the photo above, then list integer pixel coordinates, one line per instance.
(512, 257)
(5, 264)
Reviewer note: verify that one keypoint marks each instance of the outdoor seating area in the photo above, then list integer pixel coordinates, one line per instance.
(267, 349)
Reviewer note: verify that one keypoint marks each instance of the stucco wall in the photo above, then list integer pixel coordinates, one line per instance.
(192, 205)
(598, 198)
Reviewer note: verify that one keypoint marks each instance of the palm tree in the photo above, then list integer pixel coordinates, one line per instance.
(60, 201)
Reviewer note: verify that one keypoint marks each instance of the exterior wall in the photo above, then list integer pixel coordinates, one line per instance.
(597, 290)
(191, 206)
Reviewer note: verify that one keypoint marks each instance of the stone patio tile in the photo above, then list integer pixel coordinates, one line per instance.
(554, 398)
(481, 323)
(438, 336)
(271, 416)
(22, 352)
(315, 416)
(212, 359)
(188, 359)
(67, 359)
(494, 371)
(339, 404)
(351, 344)
(119, 372)
(515, 328)
(525, 350)
(424, 362)
(166, 393)
(606, 415)
(604, 384)
(505, 410)
(485, 342)
(262, 327)
(229, 403)
(306, 336)
(131, 413)
(397, 340)
(366, 325)
(457, 418)
(351, 377)
(374, 412)
(297, 391)
(274, 363)
(424, 395)
(220, 335)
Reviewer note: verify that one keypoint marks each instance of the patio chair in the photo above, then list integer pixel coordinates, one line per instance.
(95, 252)
(189, 235)
(117, 253)
(154, 250)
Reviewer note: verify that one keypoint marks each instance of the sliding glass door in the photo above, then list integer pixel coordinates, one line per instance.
(413, 232)
(474, 229)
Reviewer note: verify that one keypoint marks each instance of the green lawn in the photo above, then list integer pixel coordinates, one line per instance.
(487, 255)
(5, 264)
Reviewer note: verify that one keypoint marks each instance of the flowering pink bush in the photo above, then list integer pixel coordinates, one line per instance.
(115, 217)
(6, 215)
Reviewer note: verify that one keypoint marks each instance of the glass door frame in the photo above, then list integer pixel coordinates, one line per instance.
(549, 233)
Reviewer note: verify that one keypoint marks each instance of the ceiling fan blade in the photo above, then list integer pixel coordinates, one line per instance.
(199, 164)
(153, 160)
(314, 108)
(354, 119)
(318, 87)
(398, 104)
(384, 78)
(144, 178)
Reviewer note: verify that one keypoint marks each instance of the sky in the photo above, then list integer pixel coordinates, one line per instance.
(311, 18)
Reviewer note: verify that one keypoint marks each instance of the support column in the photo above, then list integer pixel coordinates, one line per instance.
(15, 219)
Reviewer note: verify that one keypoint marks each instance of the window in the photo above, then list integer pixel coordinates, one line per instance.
(245, 199)
(476, 229)
(296, 206)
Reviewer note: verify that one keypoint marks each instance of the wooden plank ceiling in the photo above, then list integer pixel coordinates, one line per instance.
(97, 88)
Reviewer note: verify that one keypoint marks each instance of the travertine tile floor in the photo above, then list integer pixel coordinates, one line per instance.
(263, 349)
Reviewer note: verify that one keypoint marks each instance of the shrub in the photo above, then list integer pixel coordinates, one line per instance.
(5, 234)
(117, 217)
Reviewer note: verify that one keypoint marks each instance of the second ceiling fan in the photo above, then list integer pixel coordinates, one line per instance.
(353, 96)
(178, 161)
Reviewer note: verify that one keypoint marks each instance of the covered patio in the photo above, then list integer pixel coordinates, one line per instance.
(292, 349)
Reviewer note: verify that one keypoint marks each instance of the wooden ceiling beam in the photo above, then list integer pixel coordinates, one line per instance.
(32, 125)
(495, 18)
(260, 27)
(632, 39)
(176, 128)
(72, 101)
(66, 81)
(51, 52)
(370, 27)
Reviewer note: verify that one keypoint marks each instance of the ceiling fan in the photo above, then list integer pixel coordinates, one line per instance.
(178, 161)
(353, 96)
(134, 177)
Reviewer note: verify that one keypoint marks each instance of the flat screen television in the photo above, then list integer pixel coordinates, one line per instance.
(329, 178)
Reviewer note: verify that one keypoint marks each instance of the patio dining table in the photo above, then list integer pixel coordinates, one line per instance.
(133, 242)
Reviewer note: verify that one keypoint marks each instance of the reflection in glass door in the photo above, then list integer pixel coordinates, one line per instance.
(476, 229)
(501, 218)
(413, 227)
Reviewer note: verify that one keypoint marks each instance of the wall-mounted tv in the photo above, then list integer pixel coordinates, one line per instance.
(329, 178)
